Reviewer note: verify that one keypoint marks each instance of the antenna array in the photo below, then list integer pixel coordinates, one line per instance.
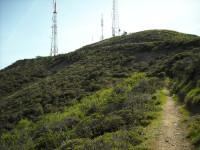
(115, 19)
(102, 24)
(54, 43)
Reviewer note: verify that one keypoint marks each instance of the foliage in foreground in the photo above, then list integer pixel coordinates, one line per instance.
(112, 118)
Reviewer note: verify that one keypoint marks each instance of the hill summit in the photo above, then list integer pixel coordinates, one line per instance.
(100, 96)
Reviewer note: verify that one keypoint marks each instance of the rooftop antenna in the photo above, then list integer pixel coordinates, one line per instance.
(115, 19)
(54, 42)
(102, 24)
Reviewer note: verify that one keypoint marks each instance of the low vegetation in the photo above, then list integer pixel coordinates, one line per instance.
(112, 118)
(100, 96)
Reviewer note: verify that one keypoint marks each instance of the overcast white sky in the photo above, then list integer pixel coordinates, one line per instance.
(25, 25)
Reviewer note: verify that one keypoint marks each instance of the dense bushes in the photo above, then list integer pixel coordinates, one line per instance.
(108, 119)
(185, 82)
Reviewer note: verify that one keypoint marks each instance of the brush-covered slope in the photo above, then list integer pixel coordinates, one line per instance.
(79, 99)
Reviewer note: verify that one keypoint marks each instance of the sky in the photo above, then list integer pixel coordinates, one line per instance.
(25, 25)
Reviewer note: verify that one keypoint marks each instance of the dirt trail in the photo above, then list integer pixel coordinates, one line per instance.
(171, 136)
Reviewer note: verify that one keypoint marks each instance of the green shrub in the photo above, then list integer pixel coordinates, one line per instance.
(50, 139)
(112, 123)
(193, 98)
(122, 139)
(194, 131)
(11, 139)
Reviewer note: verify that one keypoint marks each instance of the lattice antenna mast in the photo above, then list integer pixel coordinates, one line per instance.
(102, 25)
(54, 42)
(115, 19)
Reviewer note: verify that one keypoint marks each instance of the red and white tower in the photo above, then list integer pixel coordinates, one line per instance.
(54, 42)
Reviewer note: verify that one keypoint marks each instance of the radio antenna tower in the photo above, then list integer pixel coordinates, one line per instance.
(115, 19)
(102, 23)
(54, 43)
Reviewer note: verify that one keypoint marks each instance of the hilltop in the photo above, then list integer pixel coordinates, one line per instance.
(106, 91)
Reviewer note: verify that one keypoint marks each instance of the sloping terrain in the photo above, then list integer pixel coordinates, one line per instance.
(92, 98)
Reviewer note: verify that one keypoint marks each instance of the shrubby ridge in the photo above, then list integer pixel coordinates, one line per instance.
(102, 95)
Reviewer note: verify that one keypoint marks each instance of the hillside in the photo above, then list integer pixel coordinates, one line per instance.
(101, 94)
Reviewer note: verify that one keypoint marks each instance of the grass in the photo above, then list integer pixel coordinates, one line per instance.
(162, 97)
(191, 123)
(152, 131)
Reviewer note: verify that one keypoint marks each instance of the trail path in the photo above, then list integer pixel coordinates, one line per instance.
(171, 136)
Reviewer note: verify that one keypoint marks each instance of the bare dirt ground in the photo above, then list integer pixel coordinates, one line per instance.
(171, 135)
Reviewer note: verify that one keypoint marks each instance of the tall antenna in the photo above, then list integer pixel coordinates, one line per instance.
(54, 42)
(115, 19)
(102, 23)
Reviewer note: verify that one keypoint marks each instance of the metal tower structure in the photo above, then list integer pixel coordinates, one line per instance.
(115, 19)
(54, 42)
(102, 24)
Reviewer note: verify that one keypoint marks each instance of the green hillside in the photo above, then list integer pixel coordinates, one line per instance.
(102, 95)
